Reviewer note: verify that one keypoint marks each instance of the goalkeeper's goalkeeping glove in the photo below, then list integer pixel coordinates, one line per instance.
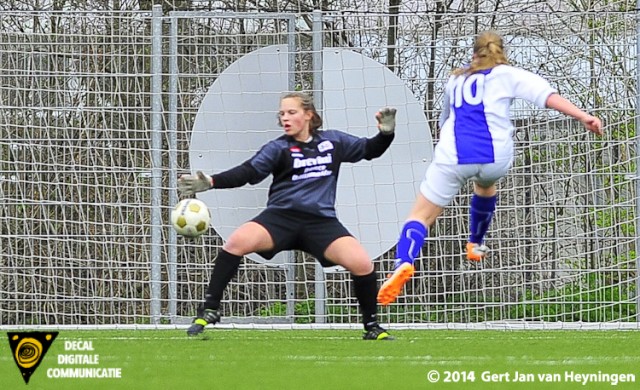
(190, 184)
(386, 118)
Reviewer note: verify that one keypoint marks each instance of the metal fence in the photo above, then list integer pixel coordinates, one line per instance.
(96, 116)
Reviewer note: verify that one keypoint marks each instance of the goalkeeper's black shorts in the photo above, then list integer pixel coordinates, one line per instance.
(303, 231)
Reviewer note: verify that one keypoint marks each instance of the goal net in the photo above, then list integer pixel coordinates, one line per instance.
(96, 116)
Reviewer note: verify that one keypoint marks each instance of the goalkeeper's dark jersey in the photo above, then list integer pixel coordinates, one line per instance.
(305, 175)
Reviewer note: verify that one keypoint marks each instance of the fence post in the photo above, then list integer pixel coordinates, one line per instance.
(172, 143)
(156, 164)
(637, 178)
(320, 283)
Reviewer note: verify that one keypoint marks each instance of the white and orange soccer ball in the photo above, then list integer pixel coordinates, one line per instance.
(190, 217)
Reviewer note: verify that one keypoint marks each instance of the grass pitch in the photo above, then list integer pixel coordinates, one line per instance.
(339, 359)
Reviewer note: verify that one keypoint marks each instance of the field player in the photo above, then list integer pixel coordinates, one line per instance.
(300, 212)
(475, 143)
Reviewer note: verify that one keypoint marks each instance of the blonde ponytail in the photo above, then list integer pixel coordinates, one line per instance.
(488, 52)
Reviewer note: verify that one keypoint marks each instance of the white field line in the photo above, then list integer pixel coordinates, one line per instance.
(465, 360)
(515, 325)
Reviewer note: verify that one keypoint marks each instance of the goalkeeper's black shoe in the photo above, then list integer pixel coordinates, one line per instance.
(207, 316)
(376, 332)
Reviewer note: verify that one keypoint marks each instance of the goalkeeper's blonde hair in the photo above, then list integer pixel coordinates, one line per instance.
(306, 101)
(488, 52)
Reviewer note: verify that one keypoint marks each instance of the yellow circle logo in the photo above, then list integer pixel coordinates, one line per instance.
(28, 352)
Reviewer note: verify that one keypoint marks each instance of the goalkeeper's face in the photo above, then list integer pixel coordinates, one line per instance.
(294, 118)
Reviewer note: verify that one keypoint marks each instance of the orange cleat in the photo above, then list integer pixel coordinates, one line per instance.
(390, 289)
(476, 252)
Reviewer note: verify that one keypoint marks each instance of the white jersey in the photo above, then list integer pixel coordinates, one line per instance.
(476, 126)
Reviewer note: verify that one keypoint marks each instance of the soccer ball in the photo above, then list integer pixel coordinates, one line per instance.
(190, 217)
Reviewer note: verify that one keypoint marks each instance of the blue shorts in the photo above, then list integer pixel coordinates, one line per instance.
(303, 231)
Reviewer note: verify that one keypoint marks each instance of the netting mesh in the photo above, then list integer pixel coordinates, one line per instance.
(76, 168)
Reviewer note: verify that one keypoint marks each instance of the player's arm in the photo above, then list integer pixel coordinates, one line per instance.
(446, 106)
(534, 88)
(234, 177)
(444, 115)
(252, 171)
(563, 105)
(379, 143)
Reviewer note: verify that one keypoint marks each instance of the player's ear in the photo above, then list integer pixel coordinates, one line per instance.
(308, 115)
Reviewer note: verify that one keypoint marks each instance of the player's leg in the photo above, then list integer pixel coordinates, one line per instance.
(416, 229)
(349, 253)
(248, 238)
(482, 207)
(440, 185)
(410, 243)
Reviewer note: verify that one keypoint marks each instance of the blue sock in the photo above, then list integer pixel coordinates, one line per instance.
(480, 217)
(410, 242)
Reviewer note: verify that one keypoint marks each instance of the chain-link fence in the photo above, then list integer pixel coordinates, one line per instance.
(87, 178)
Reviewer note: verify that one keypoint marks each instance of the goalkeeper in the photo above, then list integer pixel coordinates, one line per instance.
(300, 212)
(475, 144)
